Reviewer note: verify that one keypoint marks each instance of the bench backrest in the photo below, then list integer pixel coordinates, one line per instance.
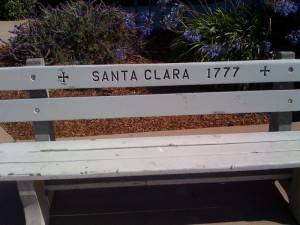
(149, 75)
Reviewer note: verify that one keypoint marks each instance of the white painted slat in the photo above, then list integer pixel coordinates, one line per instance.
(161, 156)
(128, 153)
(165, 141)
(149, 105)
(100, 76)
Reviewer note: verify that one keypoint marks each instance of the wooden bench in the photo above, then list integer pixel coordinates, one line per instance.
(46, 165)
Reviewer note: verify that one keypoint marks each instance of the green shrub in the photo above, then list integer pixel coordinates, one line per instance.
(218, 34)
(16, 9)
(75, 32)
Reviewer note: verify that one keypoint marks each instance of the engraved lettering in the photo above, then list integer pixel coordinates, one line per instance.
(208, 73)
(114, 76)
(96, 76)
(105, 77)
(185, 74)
(226, 70)
(236, 70)
(148, 77)
(217, 71)
(133, 76)
(167, 75)
(124, 73)
(176, 73)
(155, 77)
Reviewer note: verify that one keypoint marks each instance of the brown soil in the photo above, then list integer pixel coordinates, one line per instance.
(22, 131)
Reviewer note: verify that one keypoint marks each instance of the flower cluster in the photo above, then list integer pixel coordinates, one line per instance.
(238, 44)
(266, 46)
(163, 2)
(212, 51)
(173, 19)
(142, 22)
(285, 7)
(192, 36)
(121, 53)
(145, 21)
(129, 21)
(294, 37)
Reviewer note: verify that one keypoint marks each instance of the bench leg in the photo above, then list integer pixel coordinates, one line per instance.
(35, 202)
(295, 195)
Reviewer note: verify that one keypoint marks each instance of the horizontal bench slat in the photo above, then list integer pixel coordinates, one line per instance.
(100, 76)
(149, 156)
(149, 105)
(222, 178)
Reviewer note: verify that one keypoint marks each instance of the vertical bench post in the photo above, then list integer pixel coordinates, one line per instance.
(43, 130)
(283, 122)
(32, 193)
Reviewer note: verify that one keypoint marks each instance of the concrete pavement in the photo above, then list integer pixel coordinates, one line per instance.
(5, 27)
(4, 136)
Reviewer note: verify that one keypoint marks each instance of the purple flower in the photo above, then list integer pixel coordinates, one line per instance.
(266, 46)
(285, 7)
(142, 22)
(44, 47)
(294, 37)
(145, 21)
(212, 51)
(163, 2)
(129, 21)
(192, 36)
(121, 53)
(238, 44)
(174, 18)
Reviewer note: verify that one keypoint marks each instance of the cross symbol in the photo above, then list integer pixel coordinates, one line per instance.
(265, 70)
(63, 77)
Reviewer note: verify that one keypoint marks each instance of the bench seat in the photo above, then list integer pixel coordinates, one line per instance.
(146, 156)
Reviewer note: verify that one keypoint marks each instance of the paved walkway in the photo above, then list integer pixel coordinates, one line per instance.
(5, 27)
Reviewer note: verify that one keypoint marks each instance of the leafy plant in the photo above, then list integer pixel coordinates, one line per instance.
(16, 9)
(218, 34)
(75, 32)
